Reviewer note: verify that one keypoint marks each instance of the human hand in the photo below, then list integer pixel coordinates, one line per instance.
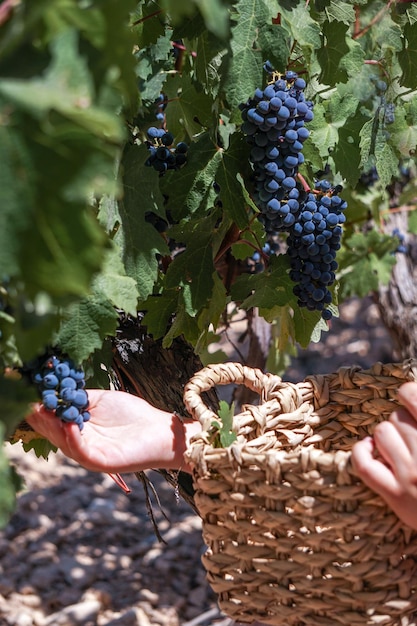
(125, 434)
(394, 474)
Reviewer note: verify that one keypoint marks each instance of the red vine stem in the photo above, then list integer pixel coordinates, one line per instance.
(120, 482)
(378, 16)
(399, 209)
(147, 17)
(304, 183)
(373, 62)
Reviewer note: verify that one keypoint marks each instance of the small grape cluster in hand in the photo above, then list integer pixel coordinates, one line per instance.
(163, 155)
(61, 388)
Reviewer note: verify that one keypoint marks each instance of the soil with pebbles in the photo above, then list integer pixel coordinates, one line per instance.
(80, 552)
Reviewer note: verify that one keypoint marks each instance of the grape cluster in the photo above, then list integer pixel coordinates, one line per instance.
(163, 155)
(313, 242)
(402, 246)
(61, 389)
(274, 123)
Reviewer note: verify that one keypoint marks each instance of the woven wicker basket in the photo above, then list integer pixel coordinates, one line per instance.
(293, 537)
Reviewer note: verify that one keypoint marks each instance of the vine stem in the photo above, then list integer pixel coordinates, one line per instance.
(377, 17)
(399, 209)
(304, 183)
(120, 482)
(147, 17)
(374, 62)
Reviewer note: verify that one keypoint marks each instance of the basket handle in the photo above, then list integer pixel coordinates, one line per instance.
(222, 374)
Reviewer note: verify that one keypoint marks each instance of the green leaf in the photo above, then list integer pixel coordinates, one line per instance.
(190, 190)
(67, 89)
(7, 489)
(346, 153)
(71, 243)
(15, 218)
(376, 151)
(365, 261)
(224, 435)
(404, 129)
(245, 69)
(85, 326)
(113, 283)
(16, 397)
(159, 311)
(139, 241)
(189, 109)
(323, 134)
(40, 446)
(183, 324)
(232, 191)
(298, 21)
(340, 12)
(194, 266)
(408, 57)
(267, 290)
(332, 52)
(276, 41)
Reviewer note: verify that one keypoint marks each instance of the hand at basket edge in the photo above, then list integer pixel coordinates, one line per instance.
(393, 475)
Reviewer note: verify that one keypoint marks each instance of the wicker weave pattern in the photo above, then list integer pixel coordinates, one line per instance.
(293, 537)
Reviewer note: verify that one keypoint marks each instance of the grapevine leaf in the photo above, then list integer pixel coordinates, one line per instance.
(225, 427)
(41, 447)
(188, 108)
(85, 325)
(113, 283)
(276, 40)
(304, 30)
(386, 162)
(340, 12)
(214, 13)
(245, 69)
(346, 153)
(194, 266)
(404, 128)
(159, 311)
(71, 243)
(147, 24)
(15, 198)
(324, 135)
(268, 289)
(16, 397)
(365, 261)
(193, 189)
(307, 325)
(412, 222)
(7, 489)
(232, 192)
(332, 52)
(210, 316)
(139, 241)
(208, 62)
(407, 57)
(183, 324)
(66, 89)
